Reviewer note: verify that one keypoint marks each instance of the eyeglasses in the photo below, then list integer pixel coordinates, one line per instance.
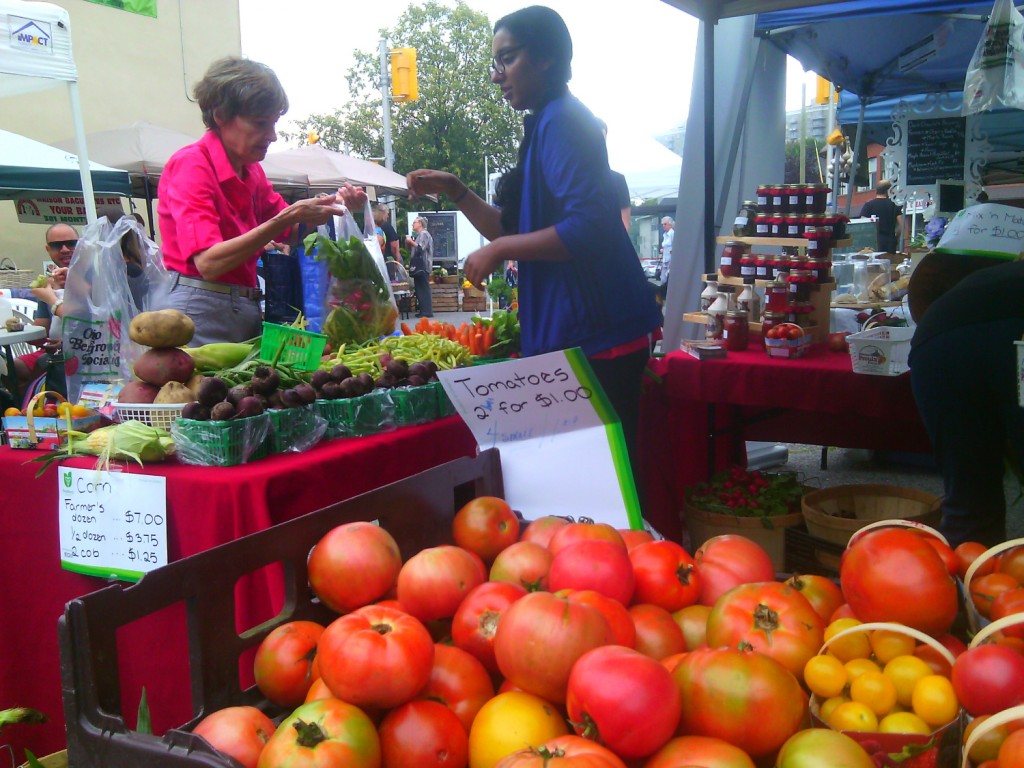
(502, 60)
(57, 245)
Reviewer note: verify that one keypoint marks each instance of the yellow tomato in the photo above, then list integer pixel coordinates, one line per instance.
(853, 716)
(857, 667)
(825, 676)
(855, 646)
(987, 745)
(903, 722)
(934, 700)
(829, 706)
(905, 671)
(887, 645)
(12, 412)
(509, 722)
(79, 411)
(64, 409)
(876, 690)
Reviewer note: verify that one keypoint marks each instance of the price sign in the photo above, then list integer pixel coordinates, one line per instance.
(112, 524)
(556, 430)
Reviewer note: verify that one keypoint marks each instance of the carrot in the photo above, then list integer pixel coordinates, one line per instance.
(406, 330)
(478, 344)
(488, 338)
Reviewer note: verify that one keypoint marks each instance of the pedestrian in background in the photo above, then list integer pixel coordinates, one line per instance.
(668, 226)
(421, 262)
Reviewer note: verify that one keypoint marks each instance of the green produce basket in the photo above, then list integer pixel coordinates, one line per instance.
(221, 443)
(294, 429)
(415, 405)
(358, 416)
(300, 349)
(445, 407)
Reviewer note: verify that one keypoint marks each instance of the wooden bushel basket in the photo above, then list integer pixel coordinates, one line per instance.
(835, 514)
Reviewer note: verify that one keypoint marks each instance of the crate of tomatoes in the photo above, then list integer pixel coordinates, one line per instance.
(786, 341)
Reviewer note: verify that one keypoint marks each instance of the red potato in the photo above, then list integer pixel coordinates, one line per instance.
(138, 392)
(164, 364)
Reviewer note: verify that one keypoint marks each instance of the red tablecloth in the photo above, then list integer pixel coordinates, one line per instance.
(816, 399)
(206, 507)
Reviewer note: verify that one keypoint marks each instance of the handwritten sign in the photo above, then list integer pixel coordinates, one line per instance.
(556, 431)
(988, 229)
(112, 524)
(935, 150)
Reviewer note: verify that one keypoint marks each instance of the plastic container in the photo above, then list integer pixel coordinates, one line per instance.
(417, 512)
(880, 351)
(368, 414)
(835, 514)
(294, 429)
(161, 416)
(710, 292)
(414, 405)
(787, 349)
(300, 349)
(221, 443)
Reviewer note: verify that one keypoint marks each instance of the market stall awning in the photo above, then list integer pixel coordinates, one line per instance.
(141, 149)
(713, 10)
(28, 166)
(323, 170)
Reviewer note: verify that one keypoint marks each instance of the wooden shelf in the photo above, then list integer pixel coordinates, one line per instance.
(798, 242)
(723, 280)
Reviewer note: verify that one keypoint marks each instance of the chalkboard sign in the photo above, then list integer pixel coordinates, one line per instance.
(863, 233)
(441, 226)
(935, 150)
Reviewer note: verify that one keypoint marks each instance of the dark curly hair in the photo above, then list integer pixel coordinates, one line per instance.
(235, 86)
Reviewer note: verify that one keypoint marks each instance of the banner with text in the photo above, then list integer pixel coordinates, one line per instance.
(58, 209)
(112, 524)
(561, 443)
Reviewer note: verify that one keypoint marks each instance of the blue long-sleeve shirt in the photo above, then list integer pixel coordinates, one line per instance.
(599, 298)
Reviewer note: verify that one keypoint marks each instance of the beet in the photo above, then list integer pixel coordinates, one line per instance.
(306, 392)
(265, 380)
(211, 391)
(319, 378)
(291, 399)
(249, 406)
(340, 372)
(399, 369)
(416, 381)
(222, 411)
(237, 394)
(331, 391)
(195, 411)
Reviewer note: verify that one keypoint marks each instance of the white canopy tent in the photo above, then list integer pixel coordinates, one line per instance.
(35, 53)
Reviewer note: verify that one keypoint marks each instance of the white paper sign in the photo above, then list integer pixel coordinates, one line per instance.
(988, 229)
(561, 443)
(112, 524)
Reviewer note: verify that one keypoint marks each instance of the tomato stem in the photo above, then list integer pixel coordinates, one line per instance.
(381, 629)
(308, 734)
(766, 619)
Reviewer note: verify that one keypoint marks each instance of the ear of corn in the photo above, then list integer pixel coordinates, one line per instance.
(217, 357)
(130, 441)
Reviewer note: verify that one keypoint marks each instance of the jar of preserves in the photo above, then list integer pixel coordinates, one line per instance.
(815, 198)
(821, 268)
(776, 296)
(838, 222)
(819, 242)
(762, 268)
(792, 225)
(764, 198)
(732, 252)
(746, 217)
(762, 225)
(747, 266)
(771, 320)
(736, 331)
(800, 276)
(775, 225)
(778, 206)
(794, 194)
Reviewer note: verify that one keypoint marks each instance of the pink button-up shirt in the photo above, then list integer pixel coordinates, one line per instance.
(203, 202)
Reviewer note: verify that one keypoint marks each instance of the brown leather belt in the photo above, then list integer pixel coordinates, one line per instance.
(237, 290)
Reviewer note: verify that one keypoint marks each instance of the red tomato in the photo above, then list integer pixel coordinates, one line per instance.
(1012, 562)
(525, 563)
(837, 342)
(742, 697)
(434, 581)
(542, 529)
(602, 566)
(574, 532)
(892, 574)
(793, 333)
(459, 681)
(769, 617)
(541, 636)
(665, 575)
(726, 561)
(986, 589)
(702, 751)
(693, 620)
(937, 661)
(1007, 604)
(377, 657)
(318, 690)
(285, 664)
(420, 734)
(50, 410)
(624, 700)
(844, 611)
(966, 554)
(634, 538)
(241, 732)
(476, 620)
(657, 634)
(773, 333)
(323, 733)
(486, 525)
(945, 552)
(821, 592)
(1011, 751)
(671, 662)
(614, 612)
(353, 565)
(988, 678)
(563, 752)
(822, 748)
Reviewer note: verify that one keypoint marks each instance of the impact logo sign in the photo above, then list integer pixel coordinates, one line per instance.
(30, 35)
(67, 479)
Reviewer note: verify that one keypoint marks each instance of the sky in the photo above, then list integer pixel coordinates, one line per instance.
(646, 53)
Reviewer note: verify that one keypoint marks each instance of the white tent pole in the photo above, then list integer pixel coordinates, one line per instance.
(83, 154)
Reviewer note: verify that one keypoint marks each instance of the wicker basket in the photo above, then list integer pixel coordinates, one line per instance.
(769, 532)
(835, 514)
(16, 278)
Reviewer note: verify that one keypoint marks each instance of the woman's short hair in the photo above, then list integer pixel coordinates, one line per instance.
(544, 34)
(422, 222)
(235, 86)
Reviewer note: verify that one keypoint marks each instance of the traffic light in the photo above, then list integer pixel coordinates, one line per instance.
(403, 75)
(822, 91)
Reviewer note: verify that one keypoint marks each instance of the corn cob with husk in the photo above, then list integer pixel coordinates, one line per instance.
(129, 441)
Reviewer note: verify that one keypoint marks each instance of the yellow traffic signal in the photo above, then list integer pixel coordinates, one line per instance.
(403, 75)
(823, 89)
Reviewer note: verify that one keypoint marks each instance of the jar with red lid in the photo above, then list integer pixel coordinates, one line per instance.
(775, 225)
(792, 225)
(771, 320)
(819, 242)
(764, 198)
(796, 261)
(732, 252)
(794, 194)
(776, 296)
(762, 225)
(778, 206)
(747, 268)
(815, 198)
(737, 330)
(822, 269)
(762, 266)
(801, 276)
(838, 222)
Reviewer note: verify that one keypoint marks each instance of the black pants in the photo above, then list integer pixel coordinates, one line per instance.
(965, 385)
(621, 377)
(421, 283)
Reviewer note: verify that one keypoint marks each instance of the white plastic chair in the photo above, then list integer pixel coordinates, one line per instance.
(25, 306)
(22, 347)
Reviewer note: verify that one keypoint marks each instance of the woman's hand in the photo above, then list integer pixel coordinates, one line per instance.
(427, 182)
(481, 264)
(314, 211)
(354, 198)
(45, 294)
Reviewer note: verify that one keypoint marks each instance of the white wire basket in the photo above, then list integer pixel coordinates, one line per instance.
(881, 351)
(161, 416)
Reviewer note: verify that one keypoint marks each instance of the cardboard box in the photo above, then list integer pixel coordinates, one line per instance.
(45, 434)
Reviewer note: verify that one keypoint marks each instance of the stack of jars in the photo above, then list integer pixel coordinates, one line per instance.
(789, 210)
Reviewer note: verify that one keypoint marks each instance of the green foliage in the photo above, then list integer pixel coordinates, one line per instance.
(738, 492)
(498, 289)
(459, 117)
(792, 172)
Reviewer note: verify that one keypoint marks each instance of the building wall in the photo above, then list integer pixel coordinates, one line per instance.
(817, 123)
(130, 68)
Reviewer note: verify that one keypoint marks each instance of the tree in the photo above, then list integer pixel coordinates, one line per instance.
(459, 118)
(813, 160)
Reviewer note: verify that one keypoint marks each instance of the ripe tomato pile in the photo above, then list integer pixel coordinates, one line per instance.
(577, 644)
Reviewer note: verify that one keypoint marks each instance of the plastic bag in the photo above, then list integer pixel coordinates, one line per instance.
(293, 430)
(221, 443)
(115, 273)
(995, 76)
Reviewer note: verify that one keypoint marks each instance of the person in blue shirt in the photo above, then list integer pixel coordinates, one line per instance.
(580, 279)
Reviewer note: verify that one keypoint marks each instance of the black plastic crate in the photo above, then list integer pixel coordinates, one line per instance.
(417, 511)
(806, 554)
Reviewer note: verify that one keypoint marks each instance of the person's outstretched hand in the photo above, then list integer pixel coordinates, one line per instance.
(427, 182)
(354, 198)
(314, 210)
(481, 264)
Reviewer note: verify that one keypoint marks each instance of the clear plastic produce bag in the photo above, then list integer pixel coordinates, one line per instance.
(995, 76)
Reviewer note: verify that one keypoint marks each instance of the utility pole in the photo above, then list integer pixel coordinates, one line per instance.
(385, 92)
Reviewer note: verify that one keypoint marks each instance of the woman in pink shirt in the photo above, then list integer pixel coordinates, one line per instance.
(217, 209)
